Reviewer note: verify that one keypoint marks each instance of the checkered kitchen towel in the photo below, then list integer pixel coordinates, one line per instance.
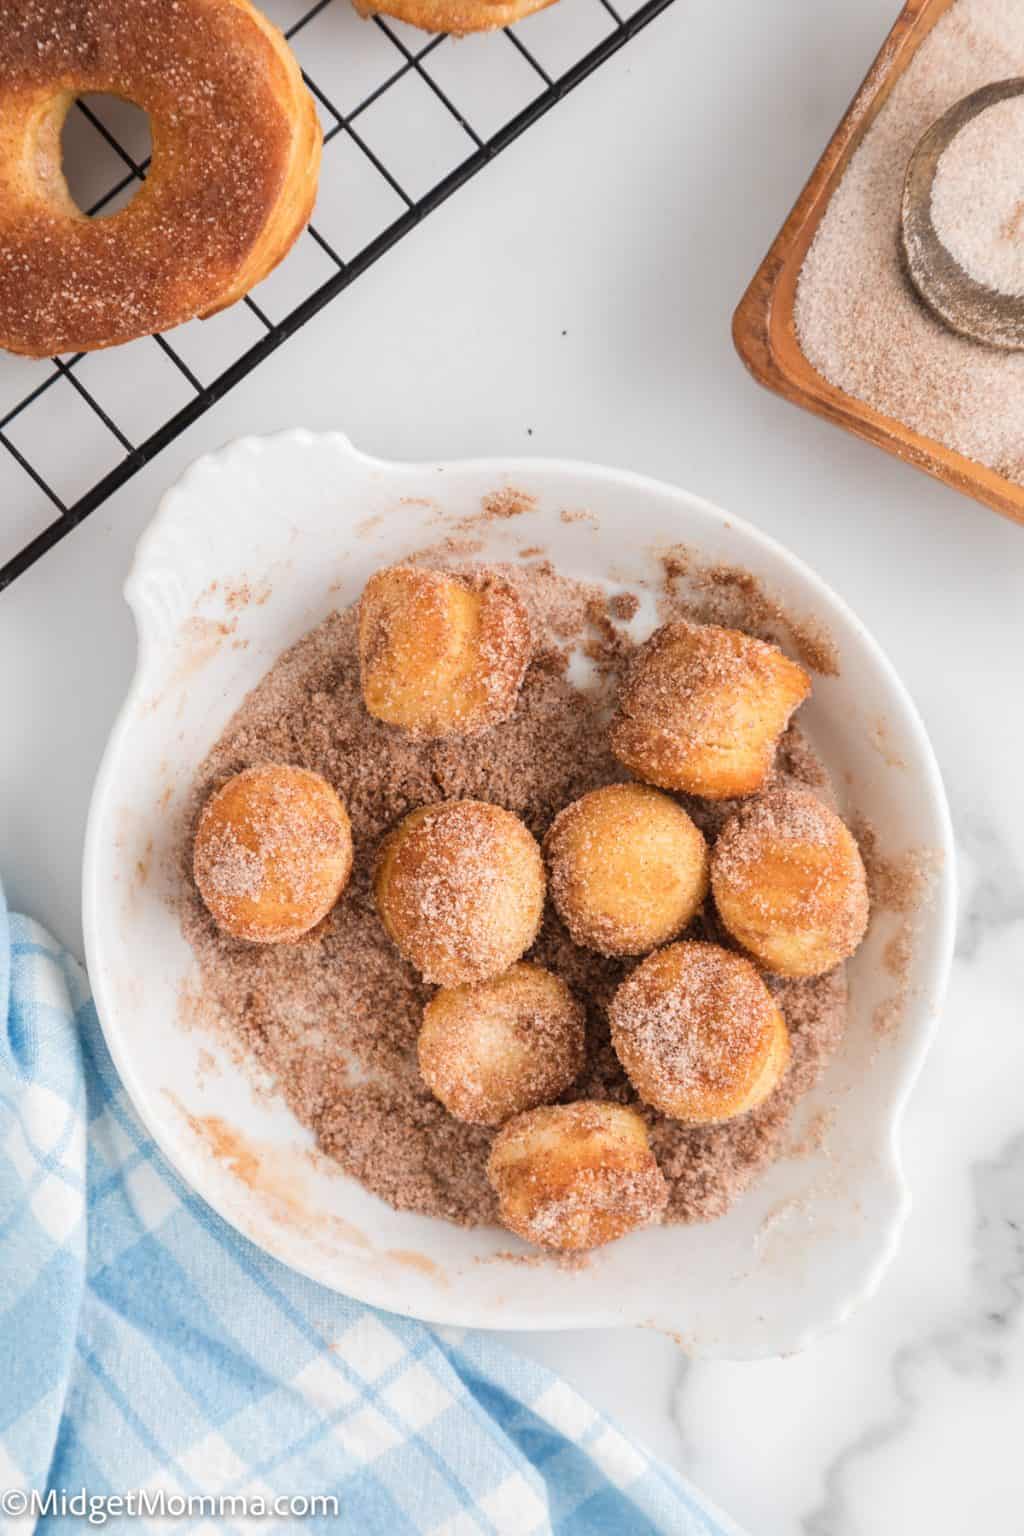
(144, 1345)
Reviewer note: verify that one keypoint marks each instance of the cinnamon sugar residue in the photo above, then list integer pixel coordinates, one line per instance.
(815, 1137)
(675, 566)
(508, 502)
(896, 884)
(202, 639)
(736, 599)
(409, 1258)
(728, 587)
(273, 1172)
(901, 885)
(334, 1021)
(541, 1258)
(242, 595)
(623, 606)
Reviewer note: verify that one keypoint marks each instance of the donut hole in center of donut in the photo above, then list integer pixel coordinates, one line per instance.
(100, 180)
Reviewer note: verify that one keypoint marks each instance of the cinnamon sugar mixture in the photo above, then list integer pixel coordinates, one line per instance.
(859, 321)
(978, 197)
(334, 1019)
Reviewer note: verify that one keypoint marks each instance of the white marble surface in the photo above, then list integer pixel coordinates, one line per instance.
(582, 288)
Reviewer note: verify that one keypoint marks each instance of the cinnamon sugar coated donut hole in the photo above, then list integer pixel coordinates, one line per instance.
(789, 883)
(460, 889)
(699, 1034)
(575, 1176)
(272, 853)
(442, 654)
(702, 710)
(490, 1050)
(628, 869)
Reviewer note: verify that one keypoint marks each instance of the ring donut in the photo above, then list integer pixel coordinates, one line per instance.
(236, 155)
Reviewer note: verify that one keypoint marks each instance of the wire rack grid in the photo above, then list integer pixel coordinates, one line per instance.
(74, 429)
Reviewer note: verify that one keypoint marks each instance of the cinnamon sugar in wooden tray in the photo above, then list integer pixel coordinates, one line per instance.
(764, 326)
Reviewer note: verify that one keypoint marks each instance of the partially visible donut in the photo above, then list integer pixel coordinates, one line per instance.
(574, 1176)
(455, 16)
(236, 156)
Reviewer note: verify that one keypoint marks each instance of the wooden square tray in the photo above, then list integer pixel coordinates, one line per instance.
(764, 329)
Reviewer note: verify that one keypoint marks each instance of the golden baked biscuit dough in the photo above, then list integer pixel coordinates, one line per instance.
(628, 869)
(231, 184)
(789, 883)
(575, 1176)
(699, 1034)
(441, 654)
(702, 709)
(272, 853)
(460, 889)
(492, 1049)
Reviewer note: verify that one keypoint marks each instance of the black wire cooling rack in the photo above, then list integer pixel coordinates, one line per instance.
(407, 119)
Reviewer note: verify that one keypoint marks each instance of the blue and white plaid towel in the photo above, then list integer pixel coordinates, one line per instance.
(145, 1345)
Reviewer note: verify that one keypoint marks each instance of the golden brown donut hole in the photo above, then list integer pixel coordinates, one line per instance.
(789, 883)
(628, 869)
(441, 654)
(272, 853)
(460, 889)
(699, 1034)
(702, 709)
(575, 1176)
(494, 1048)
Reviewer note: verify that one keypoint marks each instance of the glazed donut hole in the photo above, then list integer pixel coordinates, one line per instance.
(789, 883)
(702, 709)
(575, 1176)
(628, 869)
(459, 887)
(493, 1049)
(698, 1034)
(442, 654)
(272, 853)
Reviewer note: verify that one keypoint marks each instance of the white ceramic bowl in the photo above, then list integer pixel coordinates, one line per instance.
(302, 520)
